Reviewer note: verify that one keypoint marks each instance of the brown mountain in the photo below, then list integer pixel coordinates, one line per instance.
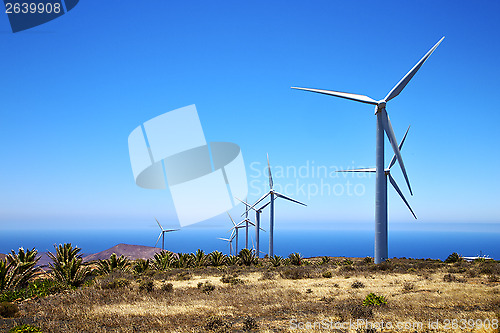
(2, 256)
(131, 251)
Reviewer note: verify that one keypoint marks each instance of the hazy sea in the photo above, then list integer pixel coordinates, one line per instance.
(317, 242)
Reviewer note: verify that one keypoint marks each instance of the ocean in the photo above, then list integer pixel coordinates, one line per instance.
(316, 242)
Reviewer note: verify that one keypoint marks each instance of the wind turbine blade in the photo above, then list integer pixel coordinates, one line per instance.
(159, 224)
(158, 239)
(400, 147)
(404, 81)
(264, 206)
(270, 175)
(224, 239)
(352, 97)
(358, 170)
(289, 199)
(261, 198)
(248, 206)
(231, 219)
(386, 123)
(393, 182)
(169, 230)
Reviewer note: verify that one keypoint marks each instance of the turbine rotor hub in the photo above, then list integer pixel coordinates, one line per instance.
(381, 104)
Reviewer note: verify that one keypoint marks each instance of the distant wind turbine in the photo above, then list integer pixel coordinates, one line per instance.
(258, 211)
(383, 125)
(388, 174)
(272, 193)
(162, 234)
(230, 242)
(239, 225)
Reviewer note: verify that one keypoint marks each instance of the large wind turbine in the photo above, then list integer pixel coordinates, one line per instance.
(273, 195)
(162, 234)
(258, 211)
(383, 125)
(387, 173)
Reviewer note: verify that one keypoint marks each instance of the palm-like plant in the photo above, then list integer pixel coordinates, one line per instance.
(232, 260)
(217, 258)
(276, 260)
(163, 260)
(141, 266)
(295, 259)
(247, 257)
(113, 263)
(18, 268)
(200, 258)
(67, 266)
(184, 260)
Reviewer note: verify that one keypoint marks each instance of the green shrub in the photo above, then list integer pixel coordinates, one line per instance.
(206, 287)
(217, 259)
(141, 266)
(232, 260)
(24, 328)
(163, 260)
(295, 259)
(37, 288)
(146, 286)
(327, 274)
(113, 263)
(184, 260)
(200, 258)
(247, 257)
(325, 260)
(8, 309)
(357, 285)
(17, 268)
(368, 260)
(372, 299)
(67, 266)
(347, 262)
(454, 257)
(276, 261)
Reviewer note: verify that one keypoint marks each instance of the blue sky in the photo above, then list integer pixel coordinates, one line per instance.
(74, 89)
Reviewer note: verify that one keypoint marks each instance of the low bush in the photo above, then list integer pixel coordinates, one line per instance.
(454, 257)
(249, 324)
(295, 259)
(37, 288)
(327, 274)
(357, 285)
(115, 283)
(146, 286)
(231, 279)
(372, 299)
(295, 273)
(24, 328)
(182, 276)
(167, 287)
(217, 324)
(206, 287)
(408, 286)
(8, 309)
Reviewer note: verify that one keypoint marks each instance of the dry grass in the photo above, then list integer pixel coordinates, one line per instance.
(415, 290)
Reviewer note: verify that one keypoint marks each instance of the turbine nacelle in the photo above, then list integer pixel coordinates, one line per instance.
(381, 104)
